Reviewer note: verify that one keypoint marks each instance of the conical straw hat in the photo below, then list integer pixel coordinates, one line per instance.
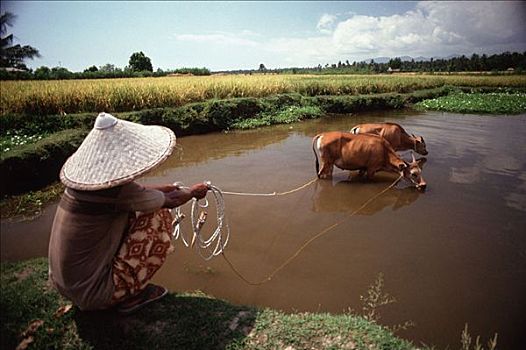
(116, 152)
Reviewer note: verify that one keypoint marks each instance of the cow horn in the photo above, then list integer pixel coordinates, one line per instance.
(413, 156)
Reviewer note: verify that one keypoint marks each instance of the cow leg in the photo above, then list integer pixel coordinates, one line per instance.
(359, 174)
(326, 170)
(370, 173)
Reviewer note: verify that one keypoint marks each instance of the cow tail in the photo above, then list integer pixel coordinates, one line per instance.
(314, 141)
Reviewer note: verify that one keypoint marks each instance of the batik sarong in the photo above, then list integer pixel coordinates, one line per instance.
(142, 252)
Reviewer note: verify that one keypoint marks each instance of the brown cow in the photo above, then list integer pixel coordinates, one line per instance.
(365, 152)
(395, 134)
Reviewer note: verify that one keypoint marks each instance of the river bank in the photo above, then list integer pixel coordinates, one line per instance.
(32, 312)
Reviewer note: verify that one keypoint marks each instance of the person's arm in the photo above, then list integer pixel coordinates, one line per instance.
(135, 197)
(162, 188)
(175, 196)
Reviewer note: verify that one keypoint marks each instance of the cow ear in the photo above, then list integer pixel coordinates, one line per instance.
(421, 161)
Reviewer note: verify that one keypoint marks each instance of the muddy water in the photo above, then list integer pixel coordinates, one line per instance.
(453, 255)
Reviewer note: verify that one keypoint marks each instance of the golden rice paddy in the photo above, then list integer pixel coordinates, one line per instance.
(117, 95)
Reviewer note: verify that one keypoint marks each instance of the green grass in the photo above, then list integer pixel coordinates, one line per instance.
(29, 205)
(33, 166)
(289, 115)
(179, 321)
(486, 103)
(17, 138)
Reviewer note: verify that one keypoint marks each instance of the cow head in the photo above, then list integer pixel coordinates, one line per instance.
(420, 145)
(412, 172)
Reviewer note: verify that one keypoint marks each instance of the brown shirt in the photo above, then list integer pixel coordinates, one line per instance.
(86, 235)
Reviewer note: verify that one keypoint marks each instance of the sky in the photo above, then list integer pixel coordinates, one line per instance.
(242, 34)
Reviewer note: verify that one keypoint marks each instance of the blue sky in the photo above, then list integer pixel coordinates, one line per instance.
(241, 35)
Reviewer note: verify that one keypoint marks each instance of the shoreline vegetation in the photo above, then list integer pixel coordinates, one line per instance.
(483, 103)
(33, 315)
(33, 311)
(42, 123)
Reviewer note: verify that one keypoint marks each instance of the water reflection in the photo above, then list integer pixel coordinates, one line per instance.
(193, 150)
(517, 198)
(348, 196)
(482, 151)
(464, 175)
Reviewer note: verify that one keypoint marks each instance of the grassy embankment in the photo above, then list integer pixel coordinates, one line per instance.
(31, 311)
(34, 316)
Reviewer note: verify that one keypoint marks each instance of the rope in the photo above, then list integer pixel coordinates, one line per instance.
(304, 245)
(198, 220)
(221, 244)
(273, 193)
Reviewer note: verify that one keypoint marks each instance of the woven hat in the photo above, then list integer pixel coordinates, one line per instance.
(116, 152)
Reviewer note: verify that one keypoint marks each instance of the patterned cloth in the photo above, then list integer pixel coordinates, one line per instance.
(87, 233)
(143, 251)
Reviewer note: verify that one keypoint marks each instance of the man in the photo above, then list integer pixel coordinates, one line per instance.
(110, 234)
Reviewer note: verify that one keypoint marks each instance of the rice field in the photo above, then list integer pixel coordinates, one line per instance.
(119, 95)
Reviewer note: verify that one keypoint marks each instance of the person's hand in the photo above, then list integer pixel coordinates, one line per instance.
(177, 197)
(199, 191)
(166, 188)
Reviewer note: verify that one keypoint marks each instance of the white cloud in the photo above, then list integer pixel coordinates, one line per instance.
(219, 38)
(479, 22)
(434, 28)
(326, 23)
(431, 29)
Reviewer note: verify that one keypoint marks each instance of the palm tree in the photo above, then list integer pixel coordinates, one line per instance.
(13, 56)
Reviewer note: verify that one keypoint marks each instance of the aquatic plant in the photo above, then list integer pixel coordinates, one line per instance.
(492, 103)
(14, 139)
(375, 298)
(465, 340)
(288, 115)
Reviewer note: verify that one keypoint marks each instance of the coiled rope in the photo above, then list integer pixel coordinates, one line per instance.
(216, 243)
(205, 244)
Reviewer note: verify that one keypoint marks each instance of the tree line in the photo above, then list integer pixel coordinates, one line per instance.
(12, 64)
(106, 71)
(476, 63)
